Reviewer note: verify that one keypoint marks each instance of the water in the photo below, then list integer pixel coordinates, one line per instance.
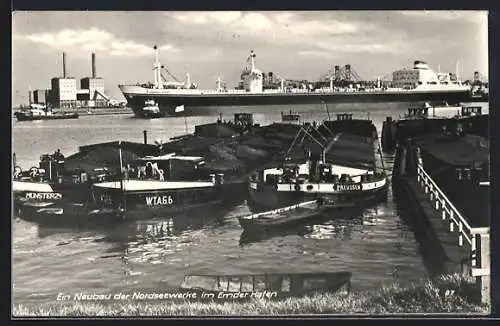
(376, 245)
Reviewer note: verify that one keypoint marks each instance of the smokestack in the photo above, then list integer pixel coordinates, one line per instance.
(93, 66)
(64, 65)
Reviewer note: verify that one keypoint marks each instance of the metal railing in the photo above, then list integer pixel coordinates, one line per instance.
(477, 237)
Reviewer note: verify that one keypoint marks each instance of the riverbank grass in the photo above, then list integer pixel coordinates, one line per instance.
(447, 294)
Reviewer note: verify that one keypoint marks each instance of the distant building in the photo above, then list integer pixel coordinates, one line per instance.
(95, 88)
(63, 92)
(41, 96)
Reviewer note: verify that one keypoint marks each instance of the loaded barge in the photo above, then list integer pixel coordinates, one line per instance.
(180, 98)
(442, 167)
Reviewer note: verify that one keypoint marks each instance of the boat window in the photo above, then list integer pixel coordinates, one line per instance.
(286, 284)
(246, 283)
(222, 283)
(259, 283)
(234, 284)
(314, 283)
(195, 281)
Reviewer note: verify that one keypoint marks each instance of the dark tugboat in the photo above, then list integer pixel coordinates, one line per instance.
(61, 184)
(269, 286)
(156, 185)
(333, 162)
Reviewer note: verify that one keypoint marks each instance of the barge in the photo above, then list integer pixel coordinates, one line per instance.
(454, 152)
(264, 286)
(334, 162)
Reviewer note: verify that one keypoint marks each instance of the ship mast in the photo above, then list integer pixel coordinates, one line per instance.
(252, 60)
(157, 68)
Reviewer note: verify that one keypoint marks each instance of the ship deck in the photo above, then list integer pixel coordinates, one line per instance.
(460, 167)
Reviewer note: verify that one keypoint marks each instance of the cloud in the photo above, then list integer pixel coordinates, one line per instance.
(315, 54)
(444, 15)
(282, 24)
(94, 40)
(201, 18)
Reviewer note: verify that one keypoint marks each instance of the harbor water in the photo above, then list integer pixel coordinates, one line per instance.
(376, 245)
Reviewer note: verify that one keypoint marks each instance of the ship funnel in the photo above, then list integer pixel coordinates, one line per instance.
(64, 64)
(93, 66)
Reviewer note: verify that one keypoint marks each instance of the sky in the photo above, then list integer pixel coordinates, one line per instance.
(211, 44)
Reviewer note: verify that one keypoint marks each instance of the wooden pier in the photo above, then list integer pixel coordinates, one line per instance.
(476, 238)
(470, 234)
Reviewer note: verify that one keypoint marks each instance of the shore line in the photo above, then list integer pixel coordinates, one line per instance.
(447, 294)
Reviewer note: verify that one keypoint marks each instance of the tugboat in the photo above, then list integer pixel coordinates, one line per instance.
(151, 110)
(333, 163)
(270, 286)
(156, 185)
(41, 112)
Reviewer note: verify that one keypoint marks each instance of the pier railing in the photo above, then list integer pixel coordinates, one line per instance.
(477, 237)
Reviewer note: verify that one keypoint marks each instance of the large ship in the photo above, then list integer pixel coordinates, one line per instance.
(419, 83)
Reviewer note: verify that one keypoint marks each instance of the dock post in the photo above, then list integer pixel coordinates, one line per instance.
(483, 280)
(145, 133)
(14, 161)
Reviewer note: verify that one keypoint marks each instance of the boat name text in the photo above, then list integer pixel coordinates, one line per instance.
(44, 195)
(347, 187)
(159, 200)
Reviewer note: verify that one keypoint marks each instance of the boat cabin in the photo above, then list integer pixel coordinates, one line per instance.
(318, 172)
(468, 111)
(290, 117)
(169, 167)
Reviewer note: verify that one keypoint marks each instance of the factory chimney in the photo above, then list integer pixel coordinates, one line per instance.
(64, 65)
(93, 66)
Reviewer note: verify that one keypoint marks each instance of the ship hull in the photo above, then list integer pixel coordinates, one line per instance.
(211, 103)
(24, 117)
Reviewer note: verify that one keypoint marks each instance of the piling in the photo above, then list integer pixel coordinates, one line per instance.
(14, 161)
(145, 133)
(388, 130)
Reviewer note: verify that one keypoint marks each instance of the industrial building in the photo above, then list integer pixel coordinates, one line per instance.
(64, 92)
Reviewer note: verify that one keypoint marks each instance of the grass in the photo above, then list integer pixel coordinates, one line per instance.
(446, 294)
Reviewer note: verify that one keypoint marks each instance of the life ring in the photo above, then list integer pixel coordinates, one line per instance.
(17, 172)
(34, 172)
